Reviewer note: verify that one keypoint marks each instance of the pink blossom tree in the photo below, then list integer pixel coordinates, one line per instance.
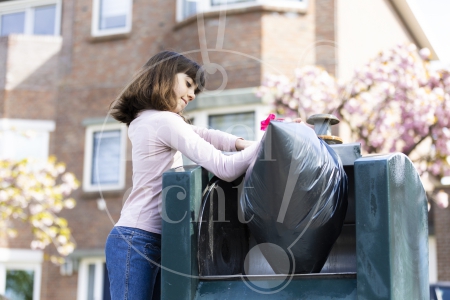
(394, 103)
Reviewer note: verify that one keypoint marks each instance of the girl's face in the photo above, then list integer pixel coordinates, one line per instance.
(184, 90)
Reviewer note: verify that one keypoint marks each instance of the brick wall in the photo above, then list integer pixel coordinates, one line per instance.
(238, 53)
(3, 71)
(28, 76)
(325, 44)
(23, 238)
(442, 234)
(55, 286)
(288, 41)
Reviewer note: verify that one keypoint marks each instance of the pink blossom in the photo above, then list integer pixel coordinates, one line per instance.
(425, 53)
(391, 102)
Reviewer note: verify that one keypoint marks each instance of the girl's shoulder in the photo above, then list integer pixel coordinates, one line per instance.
(157, 115)
(158, 123)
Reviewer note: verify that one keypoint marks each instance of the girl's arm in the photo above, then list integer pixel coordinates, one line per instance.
(175, 133)
(220, 140)
(241, 144)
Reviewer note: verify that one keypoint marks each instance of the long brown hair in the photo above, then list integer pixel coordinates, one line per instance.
(152, 87)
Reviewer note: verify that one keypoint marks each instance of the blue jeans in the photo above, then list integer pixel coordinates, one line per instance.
(133, 258)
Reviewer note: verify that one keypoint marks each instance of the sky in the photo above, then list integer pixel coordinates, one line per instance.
(434, 17)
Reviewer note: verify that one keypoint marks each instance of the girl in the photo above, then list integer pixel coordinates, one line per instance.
(151, 106)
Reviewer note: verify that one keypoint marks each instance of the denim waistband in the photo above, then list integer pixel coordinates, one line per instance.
(131, 230)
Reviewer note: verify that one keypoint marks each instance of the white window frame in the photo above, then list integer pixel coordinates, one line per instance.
(83, 277)
(9, 128)
(96, 32)
(201, 117)
(204, 6)
(432, 259)
(28, 6)
(21, 259)
(88, 148)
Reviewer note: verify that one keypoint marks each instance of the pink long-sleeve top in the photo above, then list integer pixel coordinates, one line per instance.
(158, 138)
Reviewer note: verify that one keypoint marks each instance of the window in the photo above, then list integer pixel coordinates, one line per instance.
(19, 284)
(93, 281)
(20, 273)
(104, 158)
(187, 8)
(111, 17)
(239, 124)
(21, 138)
(44, 20)
(13, 23)
(39, 17)
(220, 2)
(440, 292)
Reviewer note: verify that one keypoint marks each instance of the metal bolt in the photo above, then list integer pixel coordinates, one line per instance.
(322, 126)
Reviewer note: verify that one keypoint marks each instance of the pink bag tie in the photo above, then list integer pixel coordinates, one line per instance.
(266, 122)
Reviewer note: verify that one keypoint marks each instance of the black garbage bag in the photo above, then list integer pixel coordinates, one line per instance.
(295, 197)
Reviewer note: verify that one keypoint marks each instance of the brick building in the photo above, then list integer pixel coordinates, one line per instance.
(63, 62)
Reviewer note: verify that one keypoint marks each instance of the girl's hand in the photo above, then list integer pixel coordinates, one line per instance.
(241, 144)
(297, 120)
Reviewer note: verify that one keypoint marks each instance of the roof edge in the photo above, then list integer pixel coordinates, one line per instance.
(411, 23)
